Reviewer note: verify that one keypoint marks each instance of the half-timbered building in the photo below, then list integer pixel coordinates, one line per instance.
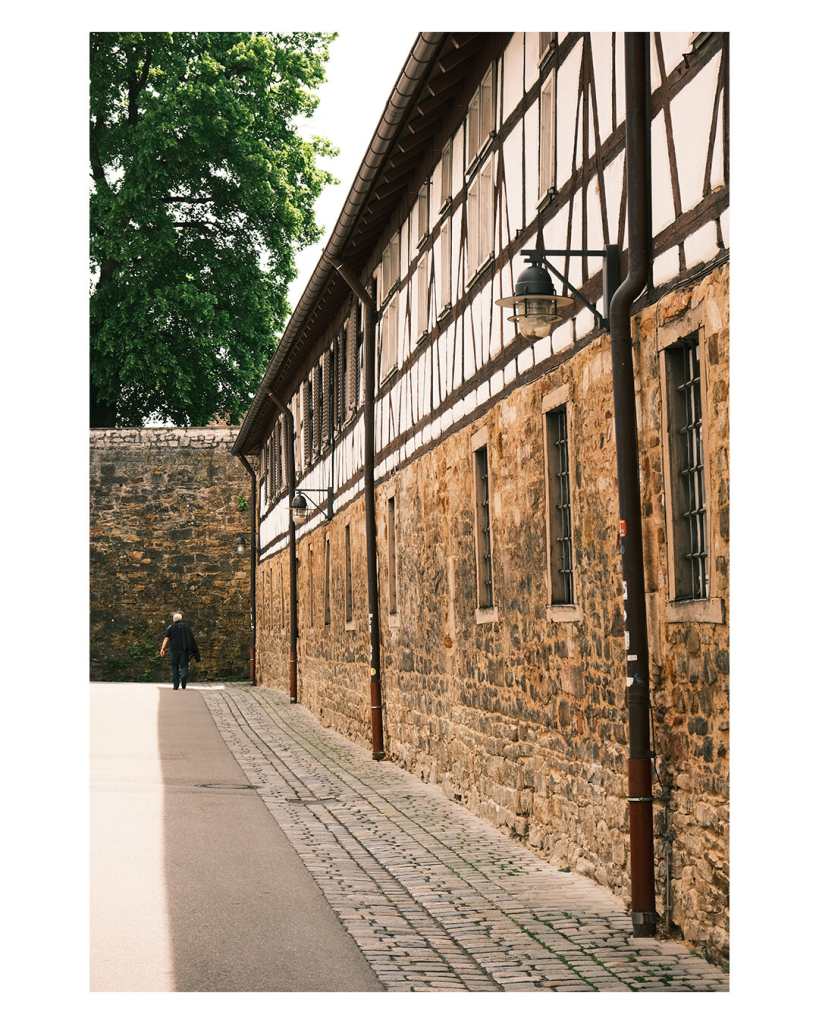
(442, 542)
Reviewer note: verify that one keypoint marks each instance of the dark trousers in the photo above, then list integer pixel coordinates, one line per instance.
(179, 668)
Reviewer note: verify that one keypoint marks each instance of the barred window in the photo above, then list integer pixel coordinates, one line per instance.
(392, 568)
(561, 559)
(483, 547)
(348, 576)
(327, 580)
(480, 120)
(688, 514)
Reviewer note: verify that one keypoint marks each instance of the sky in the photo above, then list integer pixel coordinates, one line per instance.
(364, 66)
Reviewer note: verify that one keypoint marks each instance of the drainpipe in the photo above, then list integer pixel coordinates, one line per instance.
(290, 469)
(376, 705)
(640, 799)
(250, 470)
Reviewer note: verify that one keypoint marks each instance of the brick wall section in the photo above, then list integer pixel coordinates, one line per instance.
(524, 720)
(164, 518)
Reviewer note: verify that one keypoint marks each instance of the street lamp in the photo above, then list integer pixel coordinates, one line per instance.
(535, 306)
(299, 507)
(240, 545)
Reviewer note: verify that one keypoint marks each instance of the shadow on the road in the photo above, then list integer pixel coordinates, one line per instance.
(244, 912)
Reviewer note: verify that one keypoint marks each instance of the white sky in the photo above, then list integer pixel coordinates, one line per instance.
(363, 68)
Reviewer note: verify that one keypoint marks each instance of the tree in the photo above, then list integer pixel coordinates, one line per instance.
(203, 191)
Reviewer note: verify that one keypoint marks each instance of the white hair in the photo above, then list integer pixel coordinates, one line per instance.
(177, 616)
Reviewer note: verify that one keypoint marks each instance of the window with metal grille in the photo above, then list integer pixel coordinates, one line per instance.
(688, 498)
(326, 581)
(391, 559)
(561, 559)
(348, 576)
(483, 546)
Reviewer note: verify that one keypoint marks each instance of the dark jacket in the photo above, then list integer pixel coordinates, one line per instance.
(181, 638)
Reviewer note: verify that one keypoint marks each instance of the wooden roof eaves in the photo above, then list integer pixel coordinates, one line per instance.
(400, 106)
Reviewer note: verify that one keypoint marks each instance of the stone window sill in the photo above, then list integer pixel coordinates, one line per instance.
(710, 609)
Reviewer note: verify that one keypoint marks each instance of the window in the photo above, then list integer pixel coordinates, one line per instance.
(421, 287)
(348, 577)
(480, 220)
(446, 176)
(318, 408)
(444, 274)
(480, 118)
(486, 608)
(307, 421)
(561, 561)
(390, 267)
(558, 517)
(547, 138)
(389, 338)
(688, 514)
(283, 602)
(548, 44)
(310, 582)
(421, 225)
(327, 581)
(351, 361)
(686, 473)
(392, 569)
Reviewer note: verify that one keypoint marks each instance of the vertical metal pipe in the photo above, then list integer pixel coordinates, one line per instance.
(641, 823)
(253, 550)
(376, 705)
(290, 463)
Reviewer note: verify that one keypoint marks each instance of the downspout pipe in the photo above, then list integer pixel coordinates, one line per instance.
(290, 469)
(252, 473)
(376, 705)
(640, 799)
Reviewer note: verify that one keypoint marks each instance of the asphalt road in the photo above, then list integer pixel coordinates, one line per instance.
(194, 887)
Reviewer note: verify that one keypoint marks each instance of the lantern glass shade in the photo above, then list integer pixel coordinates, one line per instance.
(240, 545)
(534, 315)
(299, 508)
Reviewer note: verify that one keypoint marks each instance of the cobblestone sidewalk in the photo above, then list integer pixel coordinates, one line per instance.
(435, 898)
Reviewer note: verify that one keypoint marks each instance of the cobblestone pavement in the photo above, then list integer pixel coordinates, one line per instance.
(436, 898)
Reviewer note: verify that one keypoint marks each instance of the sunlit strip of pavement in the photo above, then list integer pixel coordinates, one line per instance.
(436, 898)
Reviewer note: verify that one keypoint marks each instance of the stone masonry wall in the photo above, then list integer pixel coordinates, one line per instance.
(164, 517)
(524, 720)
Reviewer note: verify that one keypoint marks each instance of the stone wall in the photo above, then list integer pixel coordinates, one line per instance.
(524, 720)
(164, 517)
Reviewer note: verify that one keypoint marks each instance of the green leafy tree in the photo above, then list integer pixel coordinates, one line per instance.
(203, 191)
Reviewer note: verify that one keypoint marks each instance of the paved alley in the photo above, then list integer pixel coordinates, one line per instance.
(435, 898)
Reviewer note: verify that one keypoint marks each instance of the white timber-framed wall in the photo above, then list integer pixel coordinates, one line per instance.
(530, 154)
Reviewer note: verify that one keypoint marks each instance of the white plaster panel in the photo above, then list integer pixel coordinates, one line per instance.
(482, 394)
(601, 58)
(620, 76)
(691, 111)
(496, 383)
(568, 77)
(554, 231)
(509, 373)
(583, 323)
(513, 172)
(702, 245)
(718, 163)
(469, 346)
(562, 336)
(493, 316)
(666, 266)
(525, 360)
(613, 181)
(469, 403)
(595, 222)
(531, 54)
(674, 45)
(512, 92)
(426, 379)
(403, 326)
(542, 349)
(457, 347)
(531, 130)
(662, 199)
(725, 224)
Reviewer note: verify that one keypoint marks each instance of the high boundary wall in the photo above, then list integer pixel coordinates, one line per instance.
(166, 508)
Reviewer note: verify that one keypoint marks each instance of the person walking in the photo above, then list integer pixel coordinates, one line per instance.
(181, 643)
